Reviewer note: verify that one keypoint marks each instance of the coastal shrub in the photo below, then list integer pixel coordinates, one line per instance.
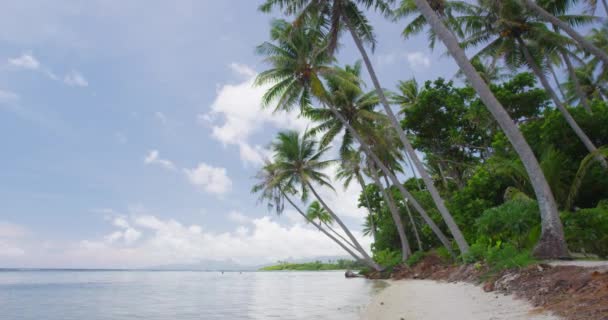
(415, 258)
(499, 256)
(587, 230)
(511, 222)
(387, 258)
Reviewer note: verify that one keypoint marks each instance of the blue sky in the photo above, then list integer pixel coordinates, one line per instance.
(130, 133)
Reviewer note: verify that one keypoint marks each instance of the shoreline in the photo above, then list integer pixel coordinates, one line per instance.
(434, 300)
(574, 290)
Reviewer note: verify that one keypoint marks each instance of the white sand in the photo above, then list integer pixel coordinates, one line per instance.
(431, 300)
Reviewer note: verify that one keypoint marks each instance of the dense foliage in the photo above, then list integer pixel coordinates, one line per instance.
(496, 168)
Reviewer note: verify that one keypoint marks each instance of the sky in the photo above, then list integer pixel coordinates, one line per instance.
(130, 133)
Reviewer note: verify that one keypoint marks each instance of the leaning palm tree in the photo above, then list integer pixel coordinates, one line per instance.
(350, 168)
(345, 15)
(406, 250)
(591, 84)
(507, 30)
(552, 243)
(550, 17)
(300, 162)
(297, 65)
(274, 191)
(316, 212)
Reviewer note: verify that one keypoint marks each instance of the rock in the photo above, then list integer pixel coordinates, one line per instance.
(350, 274)
(488, 287)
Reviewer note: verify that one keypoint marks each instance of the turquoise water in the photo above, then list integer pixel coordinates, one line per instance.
(184, 295)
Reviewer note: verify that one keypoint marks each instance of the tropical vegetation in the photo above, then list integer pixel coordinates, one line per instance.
(507, 161)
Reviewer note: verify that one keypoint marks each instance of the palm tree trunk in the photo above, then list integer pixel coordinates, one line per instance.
(577, 83)
(414, 227)
(556, 80)
(560, 106)
(342, 225)
(580, 40)
(442, 174)
(409, 213)
(552, 243)
(463, 246)
(405, 245)
(355, 256)
(369, 207)
(409, 161)
(406, 195)
(339, 236)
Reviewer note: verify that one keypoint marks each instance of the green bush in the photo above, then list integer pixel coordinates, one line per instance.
(587, 230)
(511, 222)
(499, 256)
(415, 258)
(387, 258)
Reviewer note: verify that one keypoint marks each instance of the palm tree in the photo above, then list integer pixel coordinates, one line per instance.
(591, 85)
(317, 213)
(358, 109)
(340, 15)
(274, 192)
(297, 66)
(406, 251)
(299, 162)
(599, 37)
(552, 243)
(583, 43)
(350, 169)
(520, 39)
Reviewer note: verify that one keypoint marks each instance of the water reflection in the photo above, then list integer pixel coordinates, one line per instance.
(182, 295)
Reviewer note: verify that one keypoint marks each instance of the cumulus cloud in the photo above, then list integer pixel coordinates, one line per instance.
(418, 60)
(210, 179)
(75, 79)
(238, 217)
(263, 240)
(153, 157)
(236, 115)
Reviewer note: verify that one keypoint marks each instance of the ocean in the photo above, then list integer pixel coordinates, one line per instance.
(181, 295)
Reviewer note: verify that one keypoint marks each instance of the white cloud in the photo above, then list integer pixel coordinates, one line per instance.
(29, 62)
(10, 230)
(9, 250)
(242, 70)
(10, 237)
(75, 79)
(8, 97)
(238, 217)
(128, 234)
(342, 201)
(264, 240)
(25, 61)
(153, 158)
(236, 115)
(418, 60)
(210, 179)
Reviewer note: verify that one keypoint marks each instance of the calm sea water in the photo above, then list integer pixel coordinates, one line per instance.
(183, 295)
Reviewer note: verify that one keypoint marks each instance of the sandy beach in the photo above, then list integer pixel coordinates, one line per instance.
(432, 300)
